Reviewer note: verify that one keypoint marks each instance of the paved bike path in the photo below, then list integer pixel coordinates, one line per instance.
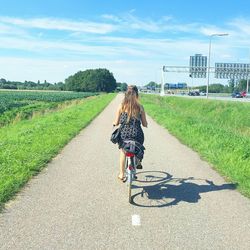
(77, 202)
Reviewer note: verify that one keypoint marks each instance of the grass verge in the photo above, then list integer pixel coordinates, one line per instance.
(27, 146)
(218, 130)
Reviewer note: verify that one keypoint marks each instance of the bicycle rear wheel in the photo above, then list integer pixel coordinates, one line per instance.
(130, 168)
(129, 187)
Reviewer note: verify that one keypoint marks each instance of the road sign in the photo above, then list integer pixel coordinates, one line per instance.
(232, 70)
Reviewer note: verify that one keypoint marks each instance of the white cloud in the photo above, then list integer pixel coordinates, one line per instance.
(209, 30)
(132, 58)
(241, 25)
(60, 24)
(111, 18)
(133, 72)
(66, 48)
(130, 21)
(10, 30)
(137, 24)
(122, 23)
(54, 70)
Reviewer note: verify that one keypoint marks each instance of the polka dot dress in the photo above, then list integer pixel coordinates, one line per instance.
(131, 130)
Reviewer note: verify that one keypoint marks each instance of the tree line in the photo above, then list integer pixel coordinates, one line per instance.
(91, 80)
(232, 86)
(4, 84)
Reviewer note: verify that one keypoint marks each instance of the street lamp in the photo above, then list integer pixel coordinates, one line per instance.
(247, 84)
(162, 82)
(209, 55)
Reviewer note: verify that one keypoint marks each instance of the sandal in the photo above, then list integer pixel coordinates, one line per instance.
(139, 166)
(123, 179)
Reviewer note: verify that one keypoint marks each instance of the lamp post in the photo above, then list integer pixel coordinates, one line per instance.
(209, 55)
(247, 84)
(162, 82)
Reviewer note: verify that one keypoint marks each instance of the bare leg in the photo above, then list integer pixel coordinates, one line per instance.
(122, 163)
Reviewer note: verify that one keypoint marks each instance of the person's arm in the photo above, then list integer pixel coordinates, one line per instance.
(143, 118)
(117, 116)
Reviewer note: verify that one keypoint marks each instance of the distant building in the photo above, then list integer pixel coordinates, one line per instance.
(198, 66)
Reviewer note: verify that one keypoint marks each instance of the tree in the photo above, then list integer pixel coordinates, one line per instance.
(122, 86)
(227, 89)
(216, 88)
(231, 85)
(3, 81)
(152, 85)
(60, 86)
(202, 88)
(91, 80)
(242, 86)
(30, 85)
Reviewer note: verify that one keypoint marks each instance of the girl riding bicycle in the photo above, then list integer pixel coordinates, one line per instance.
(130, 115)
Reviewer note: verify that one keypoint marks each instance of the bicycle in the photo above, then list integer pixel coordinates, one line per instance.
(130, 171)
(131, 162)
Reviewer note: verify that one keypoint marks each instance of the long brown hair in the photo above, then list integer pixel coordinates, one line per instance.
(130, 103)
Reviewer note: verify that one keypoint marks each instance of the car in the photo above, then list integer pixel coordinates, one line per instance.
(243, 93)
(236, 95)
(202, 93)
(194, 93)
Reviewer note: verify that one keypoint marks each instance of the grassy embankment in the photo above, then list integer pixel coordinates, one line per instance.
(218, 130)
(27, 146)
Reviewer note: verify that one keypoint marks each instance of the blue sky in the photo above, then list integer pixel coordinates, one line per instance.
(50, 40)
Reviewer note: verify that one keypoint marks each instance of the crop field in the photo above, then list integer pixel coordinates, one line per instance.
(24, 103)
(9, 100)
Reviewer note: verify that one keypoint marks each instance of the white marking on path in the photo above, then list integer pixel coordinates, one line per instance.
(136, 220)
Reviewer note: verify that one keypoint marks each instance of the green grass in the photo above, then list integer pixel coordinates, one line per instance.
(219, 131)
(24, 112)
(28, 145)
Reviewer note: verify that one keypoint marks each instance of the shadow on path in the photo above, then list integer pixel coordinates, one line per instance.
(160, 189)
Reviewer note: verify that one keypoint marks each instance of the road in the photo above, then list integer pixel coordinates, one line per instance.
(77, 202)
(220, 98)
(210, 96)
